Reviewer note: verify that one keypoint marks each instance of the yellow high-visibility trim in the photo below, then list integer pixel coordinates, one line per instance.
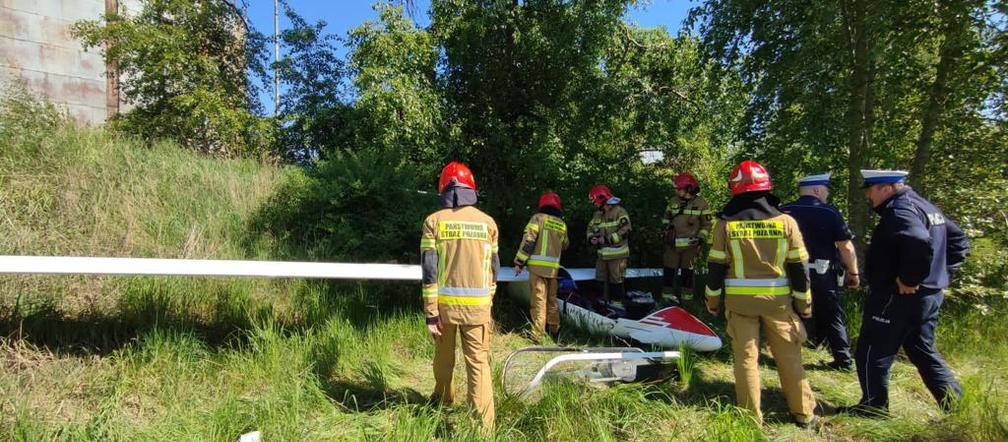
(756, 291)
(533, 227)
(427, 243)
(696, 212)
(488, 252)
(541, 263)
(762, 229)
(614, 251)
(717, 255)
(709, 292)
(522, 256)
(463, 230)
(737, 264)
(555, 225)
(464, 300)
(779, 259)
(429, 292)
(441, 263)
(544, 244)
(799, 254)
(802, 295)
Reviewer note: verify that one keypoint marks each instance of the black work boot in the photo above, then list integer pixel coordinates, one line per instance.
(864, 410)
(617, 292)
(686, 284)
(668, 296)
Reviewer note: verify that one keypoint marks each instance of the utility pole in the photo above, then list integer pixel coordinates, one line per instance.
(276, 58)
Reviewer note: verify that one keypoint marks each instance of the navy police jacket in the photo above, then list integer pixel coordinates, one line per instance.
(915, 242)
(821, 226)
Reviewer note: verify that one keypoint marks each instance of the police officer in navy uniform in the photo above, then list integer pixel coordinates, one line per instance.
(913, 250)
(829, 245)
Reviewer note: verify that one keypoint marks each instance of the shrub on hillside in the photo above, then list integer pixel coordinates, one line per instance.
(25, 116)
(363, 206)
(183, 67)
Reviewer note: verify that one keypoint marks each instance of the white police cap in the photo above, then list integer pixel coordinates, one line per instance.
(822, 179)
(876, 176)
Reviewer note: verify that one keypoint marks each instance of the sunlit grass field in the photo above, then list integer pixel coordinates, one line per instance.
(174, 359)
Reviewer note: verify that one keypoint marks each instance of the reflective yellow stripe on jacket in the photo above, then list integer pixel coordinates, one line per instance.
(464, 295)
(756, 287)
(611, 252)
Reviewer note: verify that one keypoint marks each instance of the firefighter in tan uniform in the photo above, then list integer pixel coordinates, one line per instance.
(544, 239)
(757, 271)
(608, 231)
(687, 225)
(458, 248)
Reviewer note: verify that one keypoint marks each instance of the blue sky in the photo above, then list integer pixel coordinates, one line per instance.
(344, 15)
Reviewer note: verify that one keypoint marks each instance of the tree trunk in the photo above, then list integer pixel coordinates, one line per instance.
(860, 118)
(950, 52)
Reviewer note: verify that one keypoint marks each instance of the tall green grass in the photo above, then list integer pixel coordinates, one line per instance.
(136, 358)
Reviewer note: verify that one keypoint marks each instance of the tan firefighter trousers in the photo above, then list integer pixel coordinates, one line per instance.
(543, 304)
(784, 334)
(475, 350)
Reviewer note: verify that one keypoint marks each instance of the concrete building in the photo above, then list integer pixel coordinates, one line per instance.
(37, 49)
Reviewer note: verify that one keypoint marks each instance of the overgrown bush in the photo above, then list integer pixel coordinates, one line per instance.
(183, 67)
(25, 116)
(985, 272)
(362, 206)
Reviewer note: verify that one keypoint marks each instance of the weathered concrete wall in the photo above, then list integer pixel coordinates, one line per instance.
(36, 48)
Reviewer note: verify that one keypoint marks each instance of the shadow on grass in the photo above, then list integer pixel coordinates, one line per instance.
(705, 390)
(367, 397)
(221, 313)
(372, 389)
(510, 315)
(46, 326)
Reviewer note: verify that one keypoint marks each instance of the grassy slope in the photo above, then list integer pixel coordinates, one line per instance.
(209, 359)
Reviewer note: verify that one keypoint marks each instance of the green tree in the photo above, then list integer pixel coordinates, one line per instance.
(315, 115)
(562, 96)
(182, 69)
(398, 104)
(855, 84)
(539, 96)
